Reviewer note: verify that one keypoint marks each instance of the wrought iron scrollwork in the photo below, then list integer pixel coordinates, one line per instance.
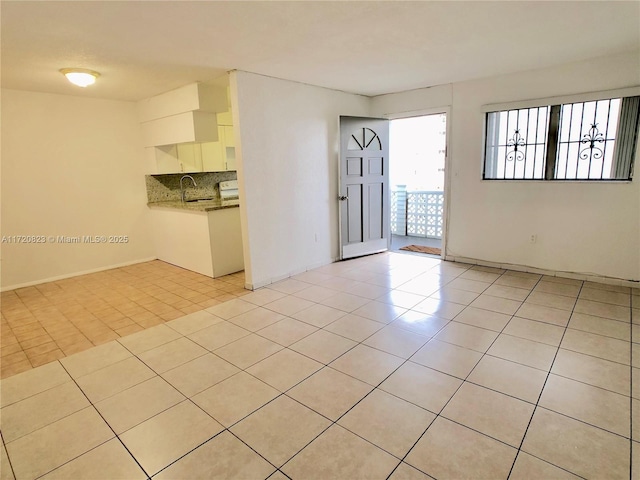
(591, 138)
(515, 142)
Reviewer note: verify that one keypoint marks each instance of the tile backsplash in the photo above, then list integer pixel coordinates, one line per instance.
(165, 188)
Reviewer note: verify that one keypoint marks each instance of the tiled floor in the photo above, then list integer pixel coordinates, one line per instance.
(56, 319)
(390, 366)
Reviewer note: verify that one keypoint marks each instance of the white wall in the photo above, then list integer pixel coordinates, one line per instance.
(587, 228)
(287, 150)
(70, 166)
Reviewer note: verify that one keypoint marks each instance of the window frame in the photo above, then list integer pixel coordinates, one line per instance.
(552, 133)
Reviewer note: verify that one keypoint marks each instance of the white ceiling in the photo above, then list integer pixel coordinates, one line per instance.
(143, 48)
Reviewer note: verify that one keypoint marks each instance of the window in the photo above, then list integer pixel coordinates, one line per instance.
(593, 140)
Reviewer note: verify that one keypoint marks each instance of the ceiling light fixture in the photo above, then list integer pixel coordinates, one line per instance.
(80, 76)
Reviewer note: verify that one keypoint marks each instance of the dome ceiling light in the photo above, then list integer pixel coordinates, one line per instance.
(80, 76)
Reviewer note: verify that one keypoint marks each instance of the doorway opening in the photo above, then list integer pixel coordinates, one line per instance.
(417, 152)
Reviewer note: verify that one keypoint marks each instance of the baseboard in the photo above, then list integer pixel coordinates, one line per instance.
(75, 274)
(263, 283)
(588, 277)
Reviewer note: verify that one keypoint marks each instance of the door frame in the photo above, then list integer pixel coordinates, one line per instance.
(447, 164)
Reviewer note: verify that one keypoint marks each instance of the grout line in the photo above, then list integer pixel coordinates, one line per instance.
(543, 387)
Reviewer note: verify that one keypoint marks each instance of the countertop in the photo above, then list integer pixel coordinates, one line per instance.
(197, 206)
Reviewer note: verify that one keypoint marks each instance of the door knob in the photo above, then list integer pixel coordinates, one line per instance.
(343, 198)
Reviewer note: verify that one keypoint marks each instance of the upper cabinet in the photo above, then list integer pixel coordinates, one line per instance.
(189, 129)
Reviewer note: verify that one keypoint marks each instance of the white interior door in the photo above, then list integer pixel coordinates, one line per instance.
(364, 192)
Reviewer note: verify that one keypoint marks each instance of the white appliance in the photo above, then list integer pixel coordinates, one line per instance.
(229, 190)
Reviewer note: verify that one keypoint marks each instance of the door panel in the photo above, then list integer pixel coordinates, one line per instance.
(364, 192)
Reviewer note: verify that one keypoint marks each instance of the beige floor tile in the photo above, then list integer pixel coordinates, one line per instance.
(323, 346)
(284, 369)
(222, 457)
(601, 326)
(407, 472)
(388, 422)
(367, 364)
(496, 304)
(420, 323)
(164, 438)
(508, 292)
(635, 461)
(235, 398)
(6, 472)
(367, 290)
(528, 467)
(94, 359)
(319, 315)
(454, 295)
(517, 281)
(556, 288)
(256, 319)
(593, 405)
(218, 335)
(137, 404)
(280, 429)
(172, 354)
(526, 352)
(287, 331)
(469, 285)
(288, 286)
(563, 280)
(423, 386)
(262, 296)
(148, 339)
(507, 377)
(248, 351)
(577, 447)
(551, 300)
(608, 287)
(197, 375)
(338, 453)
(593, 371)
(114, 379)
(329, 392)
(354, 327)
(494, 414)
(439, 308)
(480, 275)
(380, 311)
(32, 382)
(486, 319)
(535, 331)
(540, 313)
(109, 461)
(345, 302)
(402, 299)
(635, 386)
(40, 410)
(231, 308)
(597, 346)
(447, 358)
(605, 310)
(47, 448)
(635, 419)
(467, 336)
(604, 296)
(449, 450)
(288, 305)
(396, 341)
(193, 322)
(315, 293)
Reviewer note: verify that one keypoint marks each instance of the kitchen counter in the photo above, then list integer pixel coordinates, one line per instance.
(197, 206)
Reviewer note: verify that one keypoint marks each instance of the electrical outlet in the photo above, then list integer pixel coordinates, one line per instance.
(533, 238)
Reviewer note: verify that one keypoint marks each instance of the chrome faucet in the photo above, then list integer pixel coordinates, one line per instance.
(182, 190)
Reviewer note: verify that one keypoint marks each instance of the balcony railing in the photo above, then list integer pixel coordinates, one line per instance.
(416, 213)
